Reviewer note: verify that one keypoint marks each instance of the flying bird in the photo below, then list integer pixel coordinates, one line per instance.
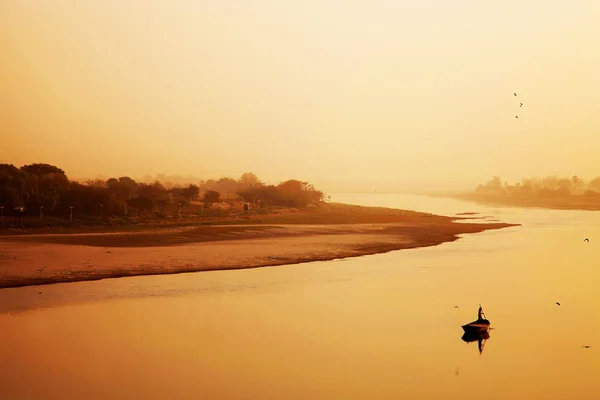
(456, 307)
(558, 303)
(521, 105)
(515, 93)
(586, 347)
(586, 240)
(516, 116)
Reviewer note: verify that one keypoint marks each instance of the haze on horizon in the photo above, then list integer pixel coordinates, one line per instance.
(375, 94)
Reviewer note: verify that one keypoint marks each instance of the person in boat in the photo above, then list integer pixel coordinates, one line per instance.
(479, 314)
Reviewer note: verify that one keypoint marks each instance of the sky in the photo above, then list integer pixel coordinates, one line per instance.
(369, 95)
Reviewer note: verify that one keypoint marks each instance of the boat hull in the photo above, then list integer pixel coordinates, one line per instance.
(477, 326)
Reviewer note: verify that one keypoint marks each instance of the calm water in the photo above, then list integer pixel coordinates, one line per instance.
(375, 327)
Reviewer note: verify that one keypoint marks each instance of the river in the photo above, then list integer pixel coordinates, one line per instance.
(373, 327)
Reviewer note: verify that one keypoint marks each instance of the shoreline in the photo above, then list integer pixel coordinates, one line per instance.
(40, 259)
(322, 214)
(574, 203)
(47, 263)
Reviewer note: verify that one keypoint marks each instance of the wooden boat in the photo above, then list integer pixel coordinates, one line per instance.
(481, 324)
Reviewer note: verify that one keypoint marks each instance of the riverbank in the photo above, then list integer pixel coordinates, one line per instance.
(571, 202)
(322, 214)
(332, 232)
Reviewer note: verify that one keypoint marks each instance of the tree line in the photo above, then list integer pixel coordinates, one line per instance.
(550, 186)
(38, 186)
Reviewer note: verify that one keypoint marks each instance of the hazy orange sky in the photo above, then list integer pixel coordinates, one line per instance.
(386, 92)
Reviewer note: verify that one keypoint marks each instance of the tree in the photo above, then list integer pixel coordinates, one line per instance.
(48, 183)
(295, 193)
(122, 188)
(578, 184)
(14, 188)
(550, 182)
(210, 184)
(152, 191)
(141, 203)
(565, 185)
(495, 184)
(575, 179)
(86, 199)
(227, 185)
(211, 196)
(249, 179)
(97, 184)
(42, 169)
(595, 184)
(191, 192)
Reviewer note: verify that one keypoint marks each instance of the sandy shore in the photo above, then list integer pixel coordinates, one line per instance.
(52, 258)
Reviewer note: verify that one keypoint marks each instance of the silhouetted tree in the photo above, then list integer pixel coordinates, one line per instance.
(122, 188)
(211, 197)
(595, 184)
(192, 192)
(227, 185)
(248, 179)
(291, 193)
(141, 203)
(48, 183)
(14, 189)
(152, 191)
(550, 186)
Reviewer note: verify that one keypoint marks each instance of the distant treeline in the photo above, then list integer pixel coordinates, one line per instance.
(38, 186)
(551, 186)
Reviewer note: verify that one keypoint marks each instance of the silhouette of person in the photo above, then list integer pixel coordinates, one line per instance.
(479, 313)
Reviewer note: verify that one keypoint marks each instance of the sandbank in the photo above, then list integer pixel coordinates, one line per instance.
(44, 259)
(339, 231)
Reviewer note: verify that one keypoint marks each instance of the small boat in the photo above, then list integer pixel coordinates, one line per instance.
(481, 324)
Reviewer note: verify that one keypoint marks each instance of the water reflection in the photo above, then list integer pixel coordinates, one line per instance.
(477, 336)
